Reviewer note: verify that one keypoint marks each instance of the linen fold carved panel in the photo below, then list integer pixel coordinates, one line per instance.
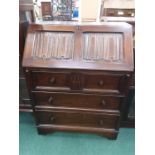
(53, 45)
(103, 47)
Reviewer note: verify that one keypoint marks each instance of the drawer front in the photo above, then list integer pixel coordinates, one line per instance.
(105, 81)
(50, 79)
(77, 119)
(78, 100)
(79, 81)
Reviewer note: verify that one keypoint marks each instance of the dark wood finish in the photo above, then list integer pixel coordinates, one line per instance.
(75, 61)
(72, 87)
(130, 20)
(127, 121)
(104, 81)
(76, 118)
(45, 129)
(25, 6)
(25, 107)
(24, 99)
(59, 99)
(50, 79)
(78, 80)
(24, 91)
(46, 10)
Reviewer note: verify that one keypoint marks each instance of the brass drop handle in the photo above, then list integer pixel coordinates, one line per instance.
(52, 118)
(103, 103)
(50, 99)
(101, 123)
(101, 82)
(52, 80)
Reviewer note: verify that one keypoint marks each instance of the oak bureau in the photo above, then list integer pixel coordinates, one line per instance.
(78, 75)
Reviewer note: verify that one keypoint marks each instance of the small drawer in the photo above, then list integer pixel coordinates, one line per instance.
(104, 81)
(49, 79)
(75, 118)
(78, 100)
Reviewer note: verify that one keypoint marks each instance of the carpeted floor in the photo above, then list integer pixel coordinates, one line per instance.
(60, 143)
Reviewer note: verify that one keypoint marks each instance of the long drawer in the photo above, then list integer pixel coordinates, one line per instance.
(78, 100)
(75, 118)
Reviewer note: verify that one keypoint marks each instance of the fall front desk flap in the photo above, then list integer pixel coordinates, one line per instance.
(68, 45)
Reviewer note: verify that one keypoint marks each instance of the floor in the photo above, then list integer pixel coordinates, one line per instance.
(60, 143)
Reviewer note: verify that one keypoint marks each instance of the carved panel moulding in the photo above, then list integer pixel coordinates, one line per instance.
(104, 47)
(53, 45)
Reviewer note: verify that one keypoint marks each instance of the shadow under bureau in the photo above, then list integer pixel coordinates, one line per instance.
(78, 75)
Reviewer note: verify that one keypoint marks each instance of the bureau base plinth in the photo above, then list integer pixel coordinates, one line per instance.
(44, 129)
(111, 137)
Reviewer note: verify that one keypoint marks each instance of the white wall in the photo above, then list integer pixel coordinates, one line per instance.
(119, 4)
(89, 9)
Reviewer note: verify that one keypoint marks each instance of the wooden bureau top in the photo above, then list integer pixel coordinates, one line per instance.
(73, 45)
